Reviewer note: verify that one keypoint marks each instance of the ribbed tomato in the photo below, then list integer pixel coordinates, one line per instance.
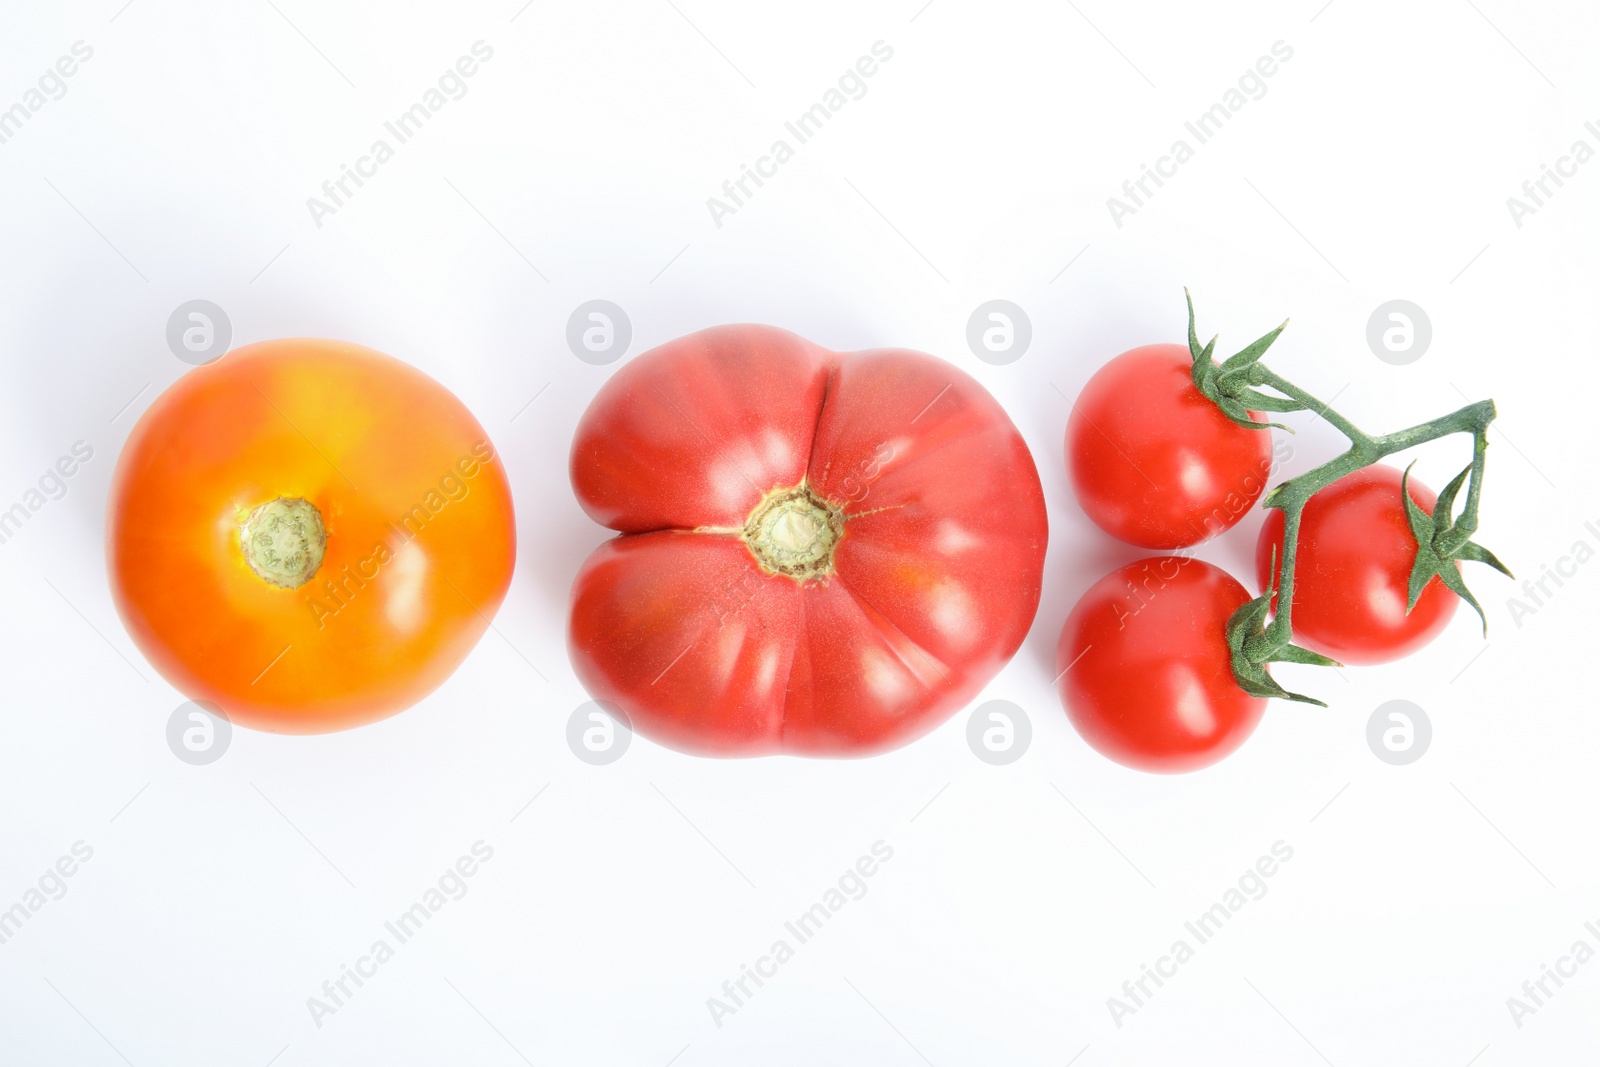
(308, 535)
(821, 553)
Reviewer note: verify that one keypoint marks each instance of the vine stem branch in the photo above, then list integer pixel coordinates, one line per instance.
(1236, 386)
(1291, 496)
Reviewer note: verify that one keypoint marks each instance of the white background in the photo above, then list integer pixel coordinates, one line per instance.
(977, 166)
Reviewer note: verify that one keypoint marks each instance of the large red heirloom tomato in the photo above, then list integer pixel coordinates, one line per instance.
(308, 535)
(822, 553)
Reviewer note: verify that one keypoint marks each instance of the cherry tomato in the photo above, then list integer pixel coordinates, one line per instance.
(821, 553)
(1144, 666)
(1154, 462)
(1353, 567)
(308, 534)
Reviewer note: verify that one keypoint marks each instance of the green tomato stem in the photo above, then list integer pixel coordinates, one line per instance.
(1291, 496)
(1233, 386)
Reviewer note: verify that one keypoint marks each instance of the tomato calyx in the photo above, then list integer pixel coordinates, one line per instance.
(794, 532)
(283, 541)
(1235, 387)
(1249, 623)
(1228, 385)
(1442, 541)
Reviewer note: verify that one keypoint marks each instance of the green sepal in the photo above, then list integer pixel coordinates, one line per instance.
(1445, 506)
(1252, 351)
(1194, 340)
(1296, 654)
(1237, 403)
(1238, 413)
(1250, 621)
(1435, 556)
(1450, 575)
(1260, 401)
(1478, 554)
(1422, 568)
(1227, 386)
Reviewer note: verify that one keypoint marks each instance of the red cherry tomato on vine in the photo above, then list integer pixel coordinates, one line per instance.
(1154, 462)
(1145, 671)
(821, 553)
(1352, 569)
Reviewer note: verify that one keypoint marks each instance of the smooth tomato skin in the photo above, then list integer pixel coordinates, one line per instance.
(1145, 674)
(1353, 567)
(1152, 461)
(937, 576)
(420, 549)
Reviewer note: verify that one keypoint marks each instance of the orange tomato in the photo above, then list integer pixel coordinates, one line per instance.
(308, 534)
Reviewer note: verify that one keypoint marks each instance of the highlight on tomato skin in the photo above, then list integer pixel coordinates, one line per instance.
(819, 553)
(1353, 572)
(308, 534)
(1152, 461)
(1144, 667)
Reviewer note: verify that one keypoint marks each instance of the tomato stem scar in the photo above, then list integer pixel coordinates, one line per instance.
(793, 531)
(283, 541)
